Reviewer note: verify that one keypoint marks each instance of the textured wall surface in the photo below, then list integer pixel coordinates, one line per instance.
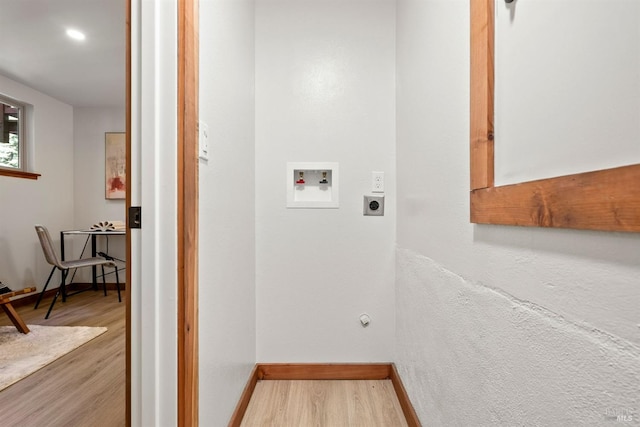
(496, 325)
(474, 355)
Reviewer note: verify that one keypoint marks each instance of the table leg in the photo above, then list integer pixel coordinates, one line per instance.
(15, 317)
(93, 268)
(61, 254)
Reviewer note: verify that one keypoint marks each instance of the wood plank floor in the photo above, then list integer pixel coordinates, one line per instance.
(83, 388)
(329, 403)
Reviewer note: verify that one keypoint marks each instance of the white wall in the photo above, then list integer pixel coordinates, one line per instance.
(90, 125)
(49, 200)
(325, 92)
(227, 199)
(499, 325)
(581, 113)
(67, 149)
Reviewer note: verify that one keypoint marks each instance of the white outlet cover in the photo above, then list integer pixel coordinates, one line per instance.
(377, 182)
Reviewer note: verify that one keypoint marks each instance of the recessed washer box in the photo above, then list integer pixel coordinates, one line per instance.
(312, 185)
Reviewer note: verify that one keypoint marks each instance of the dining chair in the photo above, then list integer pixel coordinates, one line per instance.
(64, 266)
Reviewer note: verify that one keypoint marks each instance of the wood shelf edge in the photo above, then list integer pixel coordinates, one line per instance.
(19, 174)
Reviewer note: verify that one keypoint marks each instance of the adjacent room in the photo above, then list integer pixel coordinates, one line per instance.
(63, 123)
(312, 110)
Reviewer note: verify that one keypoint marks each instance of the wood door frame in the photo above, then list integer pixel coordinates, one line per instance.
(127, 205)
(188, 213)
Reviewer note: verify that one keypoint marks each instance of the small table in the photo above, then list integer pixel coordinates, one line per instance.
(15, 318)
(93, 234)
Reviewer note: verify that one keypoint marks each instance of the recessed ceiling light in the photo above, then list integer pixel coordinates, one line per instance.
(75, 34)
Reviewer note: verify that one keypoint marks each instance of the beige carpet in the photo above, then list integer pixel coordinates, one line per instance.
(22, 355)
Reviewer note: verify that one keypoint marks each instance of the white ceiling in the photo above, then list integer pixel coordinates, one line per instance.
(35, 50)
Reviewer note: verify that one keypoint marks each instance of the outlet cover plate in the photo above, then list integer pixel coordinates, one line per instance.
(373, 206)
(377, 182)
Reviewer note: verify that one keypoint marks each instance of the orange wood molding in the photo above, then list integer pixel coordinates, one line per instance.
(601, 200)
(126, 213)
(19, 174)
(482, 48)
(187, 225)
(245, 398)
(407, 408)
(329, 371)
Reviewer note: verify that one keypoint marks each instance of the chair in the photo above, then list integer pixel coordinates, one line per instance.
(64, 267)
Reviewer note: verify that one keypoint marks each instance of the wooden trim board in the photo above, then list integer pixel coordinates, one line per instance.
(187, 225)
(330, 371)
(19, 174)
(241, 408)
(403, 398)
(127, 299)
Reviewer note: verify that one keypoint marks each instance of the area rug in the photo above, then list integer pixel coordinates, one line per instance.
(21, 355)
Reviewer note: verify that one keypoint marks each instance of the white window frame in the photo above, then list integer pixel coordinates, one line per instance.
(22, 151)
(24, 169)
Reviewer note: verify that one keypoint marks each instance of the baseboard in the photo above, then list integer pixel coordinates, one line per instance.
(407, 408)
(49, 293)
(329, 371)
(241, 408)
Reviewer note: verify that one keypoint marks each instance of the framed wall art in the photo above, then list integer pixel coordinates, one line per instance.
(115, 165)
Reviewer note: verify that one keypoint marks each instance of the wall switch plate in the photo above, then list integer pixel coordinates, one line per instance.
(203, 140)
(377, 182)
(373, 206)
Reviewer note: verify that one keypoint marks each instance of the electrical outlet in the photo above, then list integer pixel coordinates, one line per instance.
(373, 206)
(377, 182)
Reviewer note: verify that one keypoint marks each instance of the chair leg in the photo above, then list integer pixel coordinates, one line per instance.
(104, 282)
(61, 290)
(45, 288)
(118, 284)
(52, 304)
(63, 285)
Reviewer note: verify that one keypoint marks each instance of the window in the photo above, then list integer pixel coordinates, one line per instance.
(11, 135)
(12, 140)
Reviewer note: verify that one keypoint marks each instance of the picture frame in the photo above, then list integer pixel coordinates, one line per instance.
(115, 165)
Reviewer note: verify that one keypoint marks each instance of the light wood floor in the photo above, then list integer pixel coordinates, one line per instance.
(83, 388)
(329, 403)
